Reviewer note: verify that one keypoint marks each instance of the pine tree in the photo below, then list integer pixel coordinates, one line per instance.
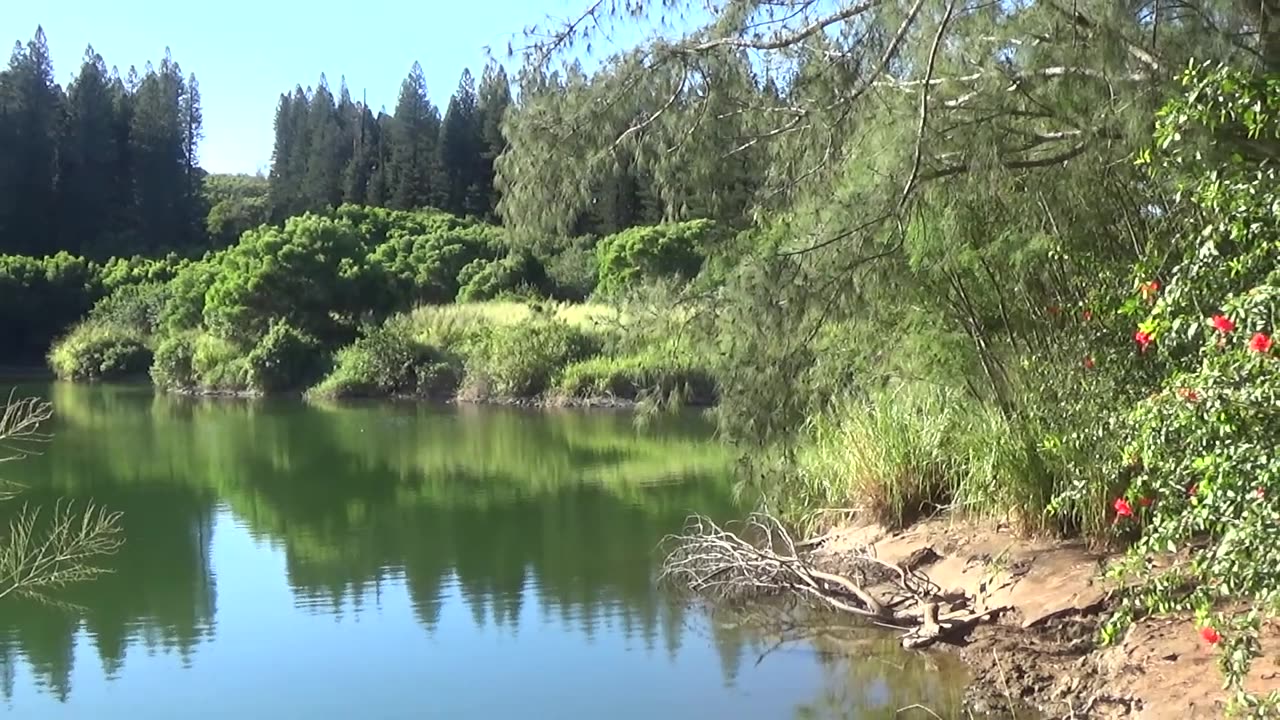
(379, 192)
(364, 158)
(89, 158)
(460, 150)
(192, 132)
(491, 107)
(415, 178)
(288, 160)
(156, 142)
(30, 123)
(322, 181)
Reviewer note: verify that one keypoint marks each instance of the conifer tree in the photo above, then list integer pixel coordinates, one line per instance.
(31, 112)
(460, 150)
(89, 162)
(322, 181)
(494, 97)
(415, 177)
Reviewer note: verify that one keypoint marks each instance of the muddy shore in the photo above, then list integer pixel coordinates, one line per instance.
(1043, 653)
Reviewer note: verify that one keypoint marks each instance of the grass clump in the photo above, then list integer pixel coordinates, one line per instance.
(100, 351)
(639, 376)
(896, 455)
(523, 360)
(390, 360)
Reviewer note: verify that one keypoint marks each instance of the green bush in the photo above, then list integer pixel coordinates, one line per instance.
(572, 270)
(173, 367)
(633, 377)
(1206, 474)
(284, 359)
(219, 364)
(488, 279)
(40, 298)
(97, 351)
(667, 251)
(136, 307)
(311, 273)
(425, 264)
(524, 359)
(390, 361)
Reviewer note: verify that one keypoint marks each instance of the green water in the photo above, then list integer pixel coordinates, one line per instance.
(402, 561)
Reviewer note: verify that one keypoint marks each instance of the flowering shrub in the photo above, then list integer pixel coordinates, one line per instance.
(1205, 443)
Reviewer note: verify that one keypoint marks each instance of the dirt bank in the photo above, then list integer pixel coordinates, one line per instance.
(1043, 652)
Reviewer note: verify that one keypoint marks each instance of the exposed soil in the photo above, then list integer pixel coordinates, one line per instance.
(1042, 652)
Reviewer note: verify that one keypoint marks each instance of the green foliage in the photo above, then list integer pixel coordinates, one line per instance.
(425, 261)
(100, 351)
(664, 375)
(218, 364)
(390, 361)
(41, 297)
(311, 273)
(173, 367)
(487, 279)
(523, 360)
(1203, 443)
(284, 359)
(237, 204)
(673, 250)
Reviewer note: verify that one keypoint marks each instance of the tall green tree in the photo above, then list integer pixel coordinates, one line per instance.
(157, 142)
(460, 150)
(289, 156)
(415, 176)
(494, 97)
(90, 159)
(322, 181)
(30, 126)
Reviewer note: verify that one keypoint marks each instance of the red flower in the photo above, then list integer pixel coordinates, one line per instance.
(1123, 508)
(1188, 394)
(1223, 324)
(1088, 362)
(1143, 339)
(1210, 635)
(1260, 493)
(1260, 343)
(1193, 490)
(1148, 289)
(1145, 502)
(1087, 315)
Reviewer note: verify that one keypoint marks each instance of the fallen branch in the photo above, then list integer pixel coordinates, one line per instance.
(762, 559)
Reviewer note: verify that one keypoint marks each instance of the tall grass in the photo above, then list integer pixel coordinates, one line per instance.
(908, 452)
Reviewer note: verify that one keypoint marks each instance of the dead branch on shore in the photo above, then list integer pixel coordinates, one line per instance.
(762, 559)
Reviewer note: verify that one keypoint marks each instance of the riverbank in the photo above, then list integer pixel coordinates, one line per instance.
(1042, 651)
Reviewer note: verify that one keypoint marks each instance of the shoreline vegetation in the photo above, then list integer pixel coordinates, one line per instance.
(1025, 275)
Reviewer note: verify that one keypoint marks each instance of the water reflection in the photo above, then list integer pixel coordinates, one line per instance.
(540, 528)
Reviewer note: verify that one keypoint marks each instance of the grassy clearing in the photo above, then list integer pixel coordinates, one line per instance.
(672, 378)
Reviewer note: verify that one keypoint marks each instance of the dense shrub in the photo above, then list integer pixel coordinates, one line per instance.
(173, 367)
(311, 273)
(667, 251)
(487, 279)
(632, 377)
(100, 351)
(285, 358)
(572, 270)
(136, 307)
(40, 298)
(237, 203)
(425, 268)
(219, 364)
(522, 360)
(1203, 446)
(389, 360)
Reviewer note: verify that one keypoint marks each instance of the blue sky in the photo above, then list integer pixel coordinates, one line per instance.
(246, 52)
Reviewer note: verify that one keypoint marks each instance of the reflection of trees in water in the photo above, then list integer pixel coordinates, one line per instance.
(491, 505)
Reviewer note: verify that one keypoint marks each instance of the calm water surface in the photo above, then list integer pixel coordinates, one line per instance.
(400, 561)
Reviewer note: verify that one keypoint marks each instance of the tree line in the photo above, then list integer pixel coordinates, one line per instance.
(106, 166)
(330, 151)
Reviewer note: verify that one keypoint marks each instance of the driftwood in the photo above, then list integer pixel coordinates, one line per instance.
(760, 558)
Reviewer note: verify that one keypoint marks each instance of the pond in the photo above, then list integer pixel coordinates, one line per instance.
(389, 560)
